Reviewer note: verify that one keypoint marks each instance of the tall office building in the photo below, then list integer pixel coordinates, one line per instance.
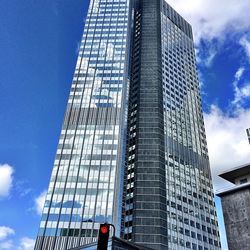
(132, 150)
(85, 186)
(168, 192)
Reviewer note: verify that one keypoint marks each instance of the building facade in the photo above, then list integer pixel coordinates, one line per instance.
(133, 126)
(85, 184)
(169, 159)
(236, 207)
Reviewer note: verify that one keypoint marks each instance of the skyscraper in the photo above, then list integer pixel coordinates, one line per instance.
(132, 150)
(85, 186)
(168, 187)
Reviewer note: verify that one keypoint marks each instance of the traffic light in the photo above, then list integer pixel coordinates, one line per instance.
(103, 237)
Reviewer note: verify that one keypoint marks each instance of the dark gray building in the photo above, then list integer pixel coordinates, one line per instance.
(132, 150)
(168, 195)
(236, 207)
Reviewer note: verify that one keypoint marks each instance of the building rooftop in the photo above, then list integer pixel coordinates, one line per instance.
(235, 173)
(233, 190)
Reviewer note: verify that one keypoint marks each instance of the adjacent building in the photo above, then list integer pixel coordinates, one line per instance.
(236, 207)
(132, 150)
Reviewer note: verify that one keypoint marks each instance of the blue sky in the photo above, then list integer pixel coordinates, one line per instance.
(38, 49)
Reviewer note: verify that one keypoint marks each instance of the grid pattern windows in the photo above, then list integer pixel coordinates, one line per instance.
(84, 185)
(192, 222)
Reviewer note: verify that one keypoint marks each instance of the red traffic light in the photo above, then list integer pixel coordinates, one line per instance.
(103, 237)
(104, 228)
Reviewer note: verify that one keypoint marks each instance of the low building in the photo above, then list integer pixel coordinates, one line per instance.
(236, 207)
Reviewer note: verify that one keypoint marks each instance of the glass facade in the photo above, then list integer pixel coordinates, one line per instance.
(84, 189)
(191, 216)
(192, 222)
(133, 125)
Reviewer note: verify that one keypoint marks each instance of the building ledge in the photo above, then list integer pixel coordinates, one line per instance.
(231, 175)
(233, 189)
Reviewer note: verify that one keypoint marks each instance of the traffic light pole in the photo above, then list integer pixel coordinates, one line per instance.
(104, 236)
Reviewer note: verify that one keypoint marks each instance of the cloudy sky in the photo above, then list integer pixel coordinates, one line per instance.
(38, 50)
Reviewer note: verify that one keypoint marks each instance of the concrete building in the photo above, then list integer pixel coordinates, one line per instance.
(236, 207)
(132, 150)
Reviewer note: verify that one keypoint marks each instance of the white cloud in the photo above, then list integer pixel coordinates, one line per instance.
(5, 232)
(227, 141)
(22, 189)
(39, 202)
(245, 43)
(26, 244)
(212, 18)
(241, 93)
(239, 73)
(6, 179)
(6, 245)
(205, 56)
(209, 60)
